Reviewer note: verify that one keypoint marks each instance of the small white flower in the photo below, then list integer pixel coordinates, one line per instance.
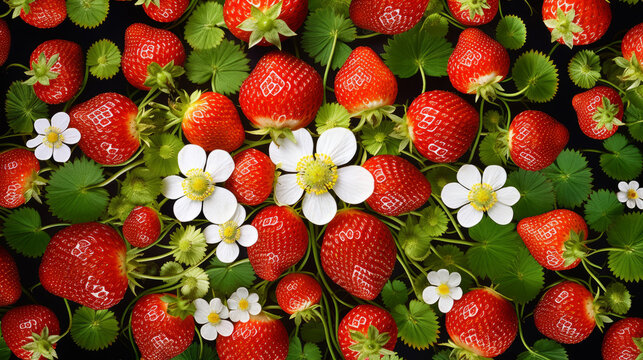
(229, 233)
(213, 317)
(444, 288)
(242, 305)
(477, 195)
(53, 138)
(630, 194)
(197, 190)
(318, 173)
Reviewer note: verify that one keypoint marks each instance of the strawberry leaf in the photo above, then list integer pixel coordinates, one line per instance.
(494, 250)
(617, 298)
(571, 177)
(439, 177)
(633, 114)
(433, 221)
(394, 293)
(415, 242)
(297, 351)
(523, 280)
(23, 107)
(87, 14)
(417, 325)
(339, 6)
(103, 59)
(161, 157)
(442, 355)
(324, 30)
(21, 230)
(203, 28)
(536, 72)
(545, 348)
(626, 234)
(585, 69)
(435, 25)
(536, 193)
(5, 352)
(511, 32)
(602, 209)
(197, 352)
(225, 67)
(141, 186)
(331, 115)
(490, 153)
(312, 332)
(93, 329)
(623, 161)
(378, 140)
(227, 278)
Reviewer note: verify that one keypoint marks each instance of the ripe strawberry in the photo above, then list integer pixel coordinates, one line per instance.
(358, 253)
(57, 70)
(298, 292)
(261, 338)
(145, 45)
(19, 178)
(631, 44)
(387, 16)
(164, 11)
(10, 279)
(370, 328)
(283, 239)
(576, 22)
(473, 12)
(482, 323)
(599, 111)
(33, 326)
(282, 91)
(535, 139)
(86, 263)
(161, 326)
(566, 313)
(5, 41)
(441, 125)
(142, 227)
(253, 176)
(42, 14)
(399, 186)
(478, 64)
(618, 343)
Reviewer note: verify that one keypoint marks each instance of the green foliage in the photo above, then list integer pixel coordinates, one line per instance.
(326, 32)
(511, 32)
(103, 59)
(194, 352)
(571, 177)
(617, 298)
(417, 325)
(227, 278)
(21, 230)
(585, 69)
(495, 248)
(23, 107)
(394, 293)
(523, 280)
(93, 329)
(548, 348)
(623, 161)
(634, 114)
(161, 157)
(489, 151)
(626, 234)
(5, 352)
(225, 67)
(378, 140)
(536, 193)
(87, 13)
(536, 72)
(602, 209)
(331, 115)
(308, 351)
(312, 332)
(203, 28)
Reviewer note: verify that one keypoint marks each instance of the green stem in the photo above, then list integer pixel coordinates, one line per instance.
(251, 145)
(475, 143)
(171, 277)
(446, 210)
(152, 258)
(130, 160)
(13, 135)
(605, 249)
(455, 241)
(330, 60)
(82, 88)
(522, 337)
(475, 279)
(612, 85)
(591, 151)
(511, 95)
(633, 123)
(407, 272)
(423, 78)
(327, 334)
(116, 175)
(18, 66)
(592, 275)
(452, 20)
(427, 168)
(52, 226)
(552, 49)
(69, 314)
(366, 36)
(185, 15)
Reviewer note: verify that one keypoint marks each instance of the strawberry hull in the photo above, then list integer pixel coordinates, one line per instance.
(20, 323)
(18, 169)
(69, 67)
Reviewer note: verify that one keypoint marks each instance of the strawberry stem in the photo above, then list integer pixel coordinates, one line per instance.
(82, 87)
(184, 17)
(70, 318)
(423, 78)
(592, 275)
(612, 85)
(475, 143)
(522, 337)
(452, 20)
(116, 175)
(330, 60)
(446, 210)
(366, 36)
(454, 241)
(52, 226)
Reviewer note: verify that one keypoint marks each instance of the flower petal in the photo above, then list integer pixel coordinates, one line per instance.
(455, 293)
(495, 176)
(501, 213)
(254, 309)
(201, 315)
(239, 315)
(468, 216)
(60, 120)
(227, 252)
(219, 165)
(43, 152)
(216, 305)
(71, 136)
(508, 196)
(191, 157)
(454, 195)
(443, 276)
(172, 187)
(62, 153)
(445, 304)
(433, 278)
(249, 235)
(287, 154)
(211, 233)
(32, 143)
(239, 215)
(339, 143)
(224, 313)
(639, 203)
(225, 328)
(253, 298)
(469, 175)
(233, 303)
(430, 295)
(209, 332)
(287, 191)
(186, 209)
(623, 186)
(454, 279)
(634, 185)
(621, 196)
(630, 203)
(354, 184)
(319, 209)
(41, 125)
(220, 206)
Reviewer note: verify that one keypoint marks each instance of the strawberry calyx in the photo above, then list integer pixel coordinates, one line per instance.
(147, 3)
(639, 344)
(162, 77)
(486, 86)
(42, 345)
(41, 70)
(18, 6)
(306, 314)
(461, 353)
(266, 25)
(475, 7)
(181, 105)
(503, 143)
(574, 248)
(373, 117)
(275, 133)
(633, 71)
(178, 307)
(605, 115)
(133, 267)
(33, 186)
(371, 344)
(403, 130)
(563, 26)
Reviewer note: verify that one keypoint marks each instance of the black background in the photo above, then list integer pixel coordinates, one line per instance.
(122, 14)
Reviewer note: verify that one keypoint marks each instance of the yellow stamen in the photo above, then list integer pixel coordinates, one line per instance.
(443, 289)
(229, 232)
(316, 173)
(482, 197)
(632, 194)
(243, 304)
(214, 318)
(198, 185)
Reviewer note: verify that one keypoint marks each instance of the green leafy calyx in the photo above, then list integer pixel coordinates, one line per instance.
(266, 25)
(605, 115)
(41, 70)
(41, 345)
(370, 344)
(563, 26)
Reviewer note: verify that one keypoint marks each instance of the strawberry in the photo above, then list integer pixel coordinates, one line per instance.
(142, 227)
(57, 70)
(535, 139)
(86, 263)
(30, 331)
(555, 239)
(282, 242)
(145, 45)
(358, 253)
(261, 338)
(365, 332)
(42, 14)
(399, 186)
(253, 176)
(624, 340)
(387, 16)
(599, 111)
(19, 178)
(576, 22)
(566, 313)
(631, 44)
(282, 91)
(482, 323)
(441, 125)
(10, 290)
(473, 12)
(478, 64)
(162, 326)
(164, 11)
(5, 41)
(298, 292)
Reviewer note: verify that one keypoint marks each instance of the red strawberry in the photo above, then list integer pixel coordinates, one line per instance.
(142, 227)
(535, 139)
(86, 263)
(473, 12)
(555, 239)
(42, 14)
(361, 327)
(358, 253)
(441, 125)
(387, 16)
(145, 45)
(253, 176)
(5, 41)
(298, 292)
(576, 22)
(271, 24)
(482, 323)
(261, 338)
(477, 64)
(631, 44)
(57, 70)
(619, 341)
(164, 10)
(161, 326)
(18, 177)
(599, 111)
(364, 82)
(399, 186)
(283, 239)
(566, 313)
(33, 326)
(10, 279)
(282, 91)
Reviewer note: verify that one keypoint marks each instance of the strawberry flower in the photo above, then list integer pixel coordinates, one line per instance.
(243, 304)
(631, 194)
(475, 195)
(197, 189)
(317, 173)
(444, 289)
(231, 233)
(53, 138)
(213, 317)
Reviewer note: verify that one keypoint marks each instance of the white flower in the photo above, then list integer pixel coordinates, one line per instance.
(317, 173)
(229, 234)
(476, 195)
(444, 288)
(630, 194)
(197, 190)
(242, 305)
(53, 138)
(213, 317)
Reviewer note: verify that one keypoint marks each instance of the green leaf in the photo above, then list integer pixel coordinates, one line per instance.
(435, 25)
(312, 332)
(536, 193)
(433, 221)
(378, 140)
(5, 352)
(547, 348)
(227, 278)
(602, 209)
(103, 59)
(585, 69)
(93, 329)
(617, 298)
(490, 153)
(161, 157)
(22, 231)
(450, 255)
(225, 67)
(23, 107)
(202, 30)
(141, 186)
(394, 293)
(119, 207)
(626, 234)
(624, 161)
(87, 14)
(439, 177)
(71, 195)
(322, 29)
(339, 6)
(511, 32)
(536, 71)
(332, 115)
(633, 114)
(417, 325)
(495, 248)
(308, 351)
(523, 280)
(571, 177)
(194, 352)
(442, 355)
(415, 242)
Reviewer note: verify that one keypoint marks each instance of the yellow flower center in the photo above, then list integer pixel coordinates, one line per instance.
(53, 138)
(316, 173)
(632, 194)
(198, 185)
(243, 304)
(214, 318)
(482, 197)
(443, 289)
(229, 232)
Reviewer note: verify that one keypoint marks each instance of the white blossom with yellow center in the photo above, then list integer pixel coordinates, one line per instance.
(213, 316)
(317, 173)
(444, 289)
(243, 304)
(230, 234)
(630, 194)
(198, 190)
(53, 138)
(475, 195)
